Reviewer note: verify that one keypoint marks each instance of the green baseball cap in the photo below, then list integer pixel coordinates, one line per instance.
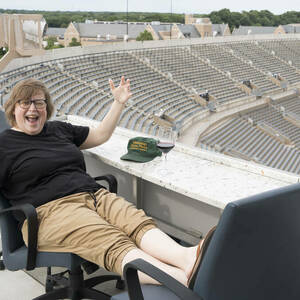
(141, 149)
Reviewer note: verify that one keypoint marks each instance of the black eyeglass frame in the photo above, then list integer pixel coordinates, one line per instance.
(40, 106)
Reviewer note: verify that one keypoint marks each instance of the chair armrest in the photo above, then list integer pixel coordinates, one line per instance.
(31, 216)
(134, 287)
(111, 180)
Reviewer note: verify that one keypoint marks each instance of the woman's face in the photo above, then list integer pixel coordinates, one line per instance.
(31, 120)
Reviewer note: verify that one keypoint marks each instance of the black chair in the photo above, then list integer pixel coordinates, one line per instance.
(17, 256)
(253, 254)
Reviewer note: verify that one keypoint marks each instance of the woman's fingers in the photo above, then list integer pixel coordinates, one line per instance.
(128, 84)
(122, 81)
(122, 91)
(111, 83)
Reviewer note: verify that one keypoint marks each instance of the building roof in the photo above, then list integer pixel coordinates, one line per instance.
(55, 31)
(291, 28)
(161, 27)
(219, 29)
(247, 30)
(118, 30)
(187, 29)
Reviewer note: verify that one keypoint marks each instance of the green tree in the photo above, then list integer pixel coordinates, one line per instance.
(225, 15)
(254, 17)
(245, 21)
(215, 18)
(74, 43)
(236, 19)
(3, 51)
(144, 36)
(265, 22)
(52, 43)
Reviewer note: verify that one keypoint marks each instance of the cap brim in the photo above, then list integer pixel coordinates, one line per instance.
(136, 158)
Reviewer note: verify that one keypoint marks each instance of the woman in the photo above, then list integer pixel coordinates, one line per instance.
(43, 165)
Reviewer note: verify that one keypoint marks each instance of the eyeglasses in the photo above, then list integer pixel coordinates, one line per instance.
(38, 103)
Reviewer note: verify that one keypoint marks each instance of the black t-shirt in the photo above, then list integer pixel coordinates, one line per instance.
(40, 168)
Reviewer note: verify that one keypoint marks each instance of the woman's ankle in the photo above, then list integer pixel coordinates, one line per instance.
(193, 258)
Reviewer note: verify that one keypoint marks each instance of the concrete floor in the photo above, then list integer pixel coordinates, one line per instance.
(19, 286)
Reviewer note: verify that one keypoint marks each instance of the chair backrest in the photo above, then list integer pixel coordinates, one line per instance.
(8, 224)
(255, 251)
(11, 235)
(3, 122)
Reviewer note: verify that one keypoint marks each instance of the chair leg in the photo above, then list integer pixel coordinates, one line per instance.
(88, 283)
(78, 294)
(78, 289)
(62, 293)
(55, 280)
(2, 267)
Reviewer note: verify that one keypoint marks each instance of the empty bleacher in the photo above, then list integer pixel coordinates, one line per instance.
(264, 60)
(234, 66)
(262, 135)
(151, 91)
(169, 78)
(184, 67)
(287, 50)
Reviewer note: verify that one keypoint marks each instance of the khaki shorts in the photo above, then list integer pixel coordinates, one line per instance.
(103, 234)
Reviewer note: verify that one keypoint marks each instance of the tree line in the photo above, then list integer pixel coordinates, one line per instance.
(253, 18)
(233, 19)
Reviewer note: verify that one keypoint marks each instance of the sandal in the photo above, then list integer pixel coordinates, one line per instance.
(202, 247)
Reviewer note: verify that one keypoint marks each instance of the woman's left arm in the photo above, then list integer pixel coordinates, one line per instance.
(103, 132)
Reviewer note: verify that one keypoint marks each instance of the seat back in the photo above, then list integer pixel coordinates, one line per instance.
(255, 251)
(8, 225)
(3, 122)
(11, 235)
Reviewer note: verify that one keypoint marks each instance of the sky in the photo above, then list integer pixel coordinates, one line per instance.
(176, 6)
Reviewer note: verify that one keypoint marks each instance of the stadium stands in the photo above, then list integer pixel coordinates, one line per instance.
(262, 135)
(192, 71)
(288, 51)
(238, 69)
(173, 79)
(265, 61)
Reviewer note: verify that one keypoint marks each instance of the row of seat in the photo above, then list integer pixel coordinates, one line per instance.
(242, 136)
(265, 61)
(287, 50)
(161, 78)
(237, 68)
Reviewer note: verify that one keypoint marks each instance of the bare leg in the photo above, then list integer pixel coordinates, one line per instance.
(176, 273)
(159, 245)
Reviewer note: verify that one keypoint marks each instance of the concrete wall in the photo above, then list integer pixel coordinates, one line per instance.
(167, 207)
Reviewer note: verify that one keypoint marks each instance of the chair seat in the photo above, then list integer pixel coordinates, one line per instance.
(150, 292)
(43, 259)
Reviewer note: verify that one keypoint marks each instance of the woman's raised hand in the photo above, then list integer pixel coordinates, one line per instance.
(121, 93)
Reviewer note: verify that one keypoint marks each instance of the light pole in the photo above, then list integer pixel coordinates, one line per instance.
(171, 23)
(127, 18)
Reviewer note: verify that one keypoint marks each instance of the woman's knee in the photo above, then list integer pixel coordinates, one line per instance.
(140, 231)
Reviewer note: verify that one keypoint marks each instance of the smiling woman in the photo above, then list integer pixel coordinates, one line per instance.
(31, 115)
(23, 112)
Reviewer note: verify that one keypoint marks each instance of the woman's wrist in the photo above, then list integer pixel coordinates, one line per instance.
(118, 102)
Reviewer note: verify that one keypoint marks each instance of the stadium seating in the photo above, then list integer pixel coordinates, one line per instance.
(171, 79)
